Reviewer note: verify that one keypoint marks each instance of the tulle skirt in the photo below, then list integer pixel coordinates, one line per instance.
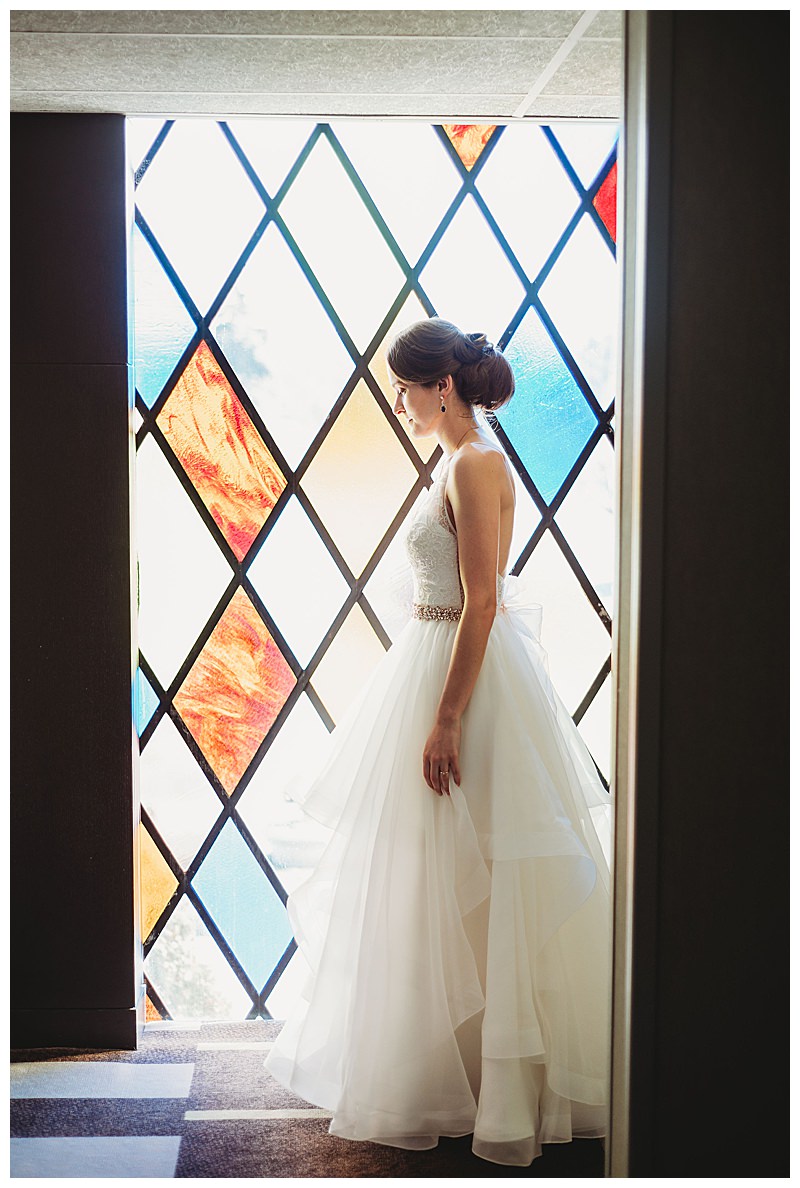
(456, 948)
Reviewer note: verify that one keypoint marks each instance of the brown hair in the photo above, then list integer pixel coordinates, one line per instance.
(427, 351)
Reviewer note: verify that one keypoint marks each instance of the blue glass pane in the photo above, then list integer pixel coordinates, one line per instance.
(162, 326)
(243, 904)
(548, 419)
(145, 701)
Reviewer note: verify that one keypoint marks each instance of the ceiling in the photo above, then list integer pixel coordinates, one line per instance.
(451, 64)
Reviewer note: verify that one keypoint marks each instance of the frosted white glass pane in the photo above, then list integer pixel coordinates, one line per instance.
(342, 244)
(139, 135)
(468, 277)
(200, 205)
(190, 974)
(529, 194)
(175, 793)
(272, 146)
(388, 158)
(270, 311)
(298, 581)
(289, 838)
(587, 519)
(182, 573)
(587, 145)
(595, 727)
(581, 296)
(572, 634)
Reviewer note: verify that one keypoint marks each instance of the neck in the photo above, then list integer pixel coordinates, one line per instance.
(454, 432)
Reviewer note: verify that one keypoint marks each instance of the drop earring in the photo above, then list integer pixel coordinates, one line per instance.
(443, 407)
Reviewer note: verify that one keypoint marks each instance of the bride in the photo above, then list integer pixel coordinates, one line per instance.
(456, 930)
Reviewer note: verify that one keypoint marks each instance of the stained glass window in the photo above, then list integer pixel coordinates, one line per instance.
(272, 261)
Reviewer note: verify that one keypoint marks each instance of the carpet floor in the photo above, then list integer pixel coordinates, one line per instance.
(195, 1101)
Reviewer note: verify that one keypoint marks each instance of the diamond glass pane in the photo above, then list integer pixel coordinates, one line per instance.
(383, 156)
(581, 296)
(219, 448)
(271, 147)
(526, 520)
(288, 837)
(534, 211)
(347, 664)
(410, 311)
(269, 311)
(200, 205)
(182, 573)
(572, 634)
(290, 986)
(145, 701)
(158, 883)
(595, 727)
(548, 420)
(234, 690)
(298, 581)
(243, 904)
(190, 974)
(605, 201)
(587, 517)
(139, 136)
(469, 140)
(162, 326)
(361, 285)
(176, 794)
(587, 145)
(359, 478)
(469, 276)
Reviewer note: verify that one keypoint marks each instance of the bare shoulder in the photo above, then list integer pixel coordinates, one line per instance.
(480, 465)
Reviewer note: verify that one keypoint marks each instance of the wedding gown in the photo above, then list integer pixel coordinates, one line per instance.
(457, 947)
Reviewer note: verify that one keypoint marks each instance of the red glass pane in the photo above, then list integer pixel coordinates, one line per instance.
(234, 690)
(605, 202)
(469, 140)
(221, 451)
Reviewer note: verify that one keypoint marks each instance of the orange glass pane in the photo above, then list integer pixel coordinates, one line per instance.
(469, 140)
(359, 478)
(234, 691)
(158, 883)
(151, 1014)
(221, 451)
(411, 311)
(605, 202)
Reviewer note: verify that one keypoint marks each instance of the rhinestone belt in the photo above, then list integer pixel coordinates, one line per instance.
(422, 611)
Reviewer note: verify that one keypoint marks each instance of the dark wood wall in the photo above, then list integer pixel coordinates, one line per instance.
(710, 1006)
(75, 960)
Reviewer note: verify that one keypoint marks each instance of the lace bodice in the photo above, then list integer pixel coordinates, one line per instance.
(432, 547)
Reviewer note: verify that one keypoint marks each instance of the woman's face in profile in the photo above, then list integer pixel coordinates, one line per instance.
(419, 405)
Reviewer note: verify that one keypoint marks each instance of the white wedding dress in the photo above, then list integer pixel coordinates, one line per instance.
(457, 947)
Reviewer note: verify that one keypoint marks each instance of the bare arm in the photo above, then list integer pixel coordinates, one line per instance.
(476, 484)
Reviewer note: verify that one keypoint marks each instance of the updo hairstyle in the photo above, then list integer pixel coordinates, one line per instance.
(427, 351)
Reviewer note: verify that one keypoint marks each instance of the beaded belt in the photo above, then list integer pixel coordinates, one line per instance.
(422, 611)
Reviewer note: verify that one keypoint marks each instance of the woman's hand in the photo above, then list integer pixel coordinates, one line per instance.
(440, 756)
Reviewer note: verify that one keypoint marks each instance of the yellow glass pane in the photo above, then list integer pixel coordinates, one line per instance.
(220, 449)
(234, 691)
(411, 311)
(347, 664)
(469, 140)
(359, 478)
(158, 883)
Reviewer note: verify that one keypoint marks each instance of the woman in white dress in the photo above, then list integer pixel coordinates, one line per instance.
(456, 930)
